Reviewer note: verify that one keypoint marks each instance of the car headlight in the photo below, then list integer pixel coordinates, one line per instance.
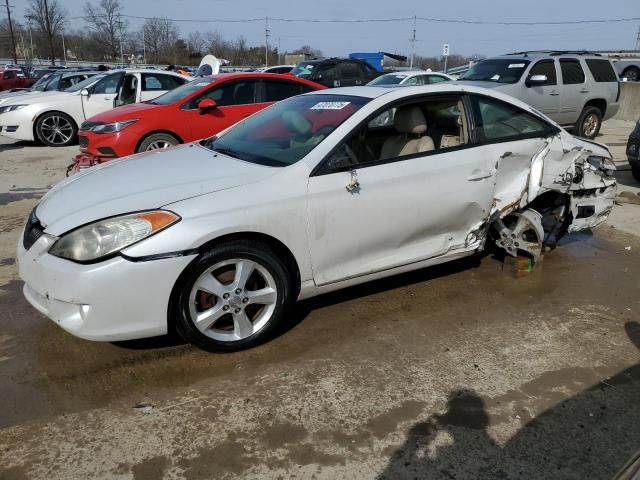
(11, 108)
(113, 127)
(104, 238)
(603, 164)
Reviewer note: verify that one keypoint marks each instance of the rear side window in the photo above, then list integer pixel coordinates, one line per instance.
(276, 91)
(601, 70)
(9, 75)
(545, 67)
(571, 71)
(350, 70)
(157, 81)
(430, 79)
(496, 121)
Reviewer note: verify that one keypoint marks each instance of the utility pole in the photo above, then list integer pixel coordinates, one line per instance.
(637, 39)
(30, 38)
(266, 41)
(413, 43)
(48, 25)
(144, 48)
(64, 49)
(13, 40)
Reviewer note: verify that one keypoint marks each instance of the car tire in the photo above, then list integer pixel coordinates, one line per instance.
(635, 171)
(56, 129)
(229, 306)
(589, 122)
(157, 141)
(632, 74)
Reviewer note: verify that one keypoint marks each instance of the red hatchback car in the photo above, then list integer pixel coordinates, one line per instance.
(198, 109)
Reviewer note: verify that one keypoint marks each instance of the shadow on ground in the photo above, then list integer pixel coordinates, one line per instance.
(590, 435)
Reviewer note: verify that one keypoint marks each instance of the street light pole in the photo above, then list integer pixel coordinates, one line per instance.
(266, 41)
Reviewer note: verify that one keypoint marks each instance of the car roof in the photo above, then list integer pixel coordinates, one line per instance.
(536, 55)
(372, 92)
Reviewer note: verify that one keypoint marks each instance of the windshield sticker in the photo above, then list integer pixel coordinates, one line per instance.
(329, 105)
(516, 65)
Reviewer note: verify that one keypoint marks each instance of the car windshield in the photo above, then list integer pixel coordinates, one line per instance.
(389, 79)
(182, 92)
(286, 132)
(497, 70)
(41, 83)
(303, 70)
(87, 82)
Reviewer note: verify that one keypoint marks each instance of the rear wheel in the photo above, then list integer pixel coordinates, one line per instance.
(158, 141)
(589, 123)
(232, 297)
(56, 129)
(632, 74)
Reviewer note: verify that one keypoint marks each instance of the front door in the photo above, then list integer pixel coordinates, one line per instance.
(102, 95)
(235, 99)
(371, 211)
(545, 97)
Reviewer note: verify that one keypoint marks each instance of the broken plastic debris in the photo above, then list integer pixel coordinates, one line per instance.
(143, 407)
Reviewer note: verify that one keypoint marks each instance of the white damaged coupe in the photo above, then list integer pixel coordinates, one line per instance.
(217, 239)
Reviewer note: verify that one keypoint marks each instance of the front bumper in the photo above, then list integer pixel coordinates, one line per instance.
(108, 301)
(16, 125)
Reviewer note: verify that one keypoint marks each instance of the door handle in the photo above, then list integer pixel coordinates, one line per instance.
(584, 91)
(554, 93)
(478, 174)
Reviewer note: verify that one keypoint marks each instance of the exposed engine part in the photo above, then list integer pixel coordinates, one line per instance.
(521, 232)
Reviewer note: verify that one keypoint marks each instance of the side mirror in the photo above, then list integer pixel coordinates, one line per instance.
(536, 80)
(206, 105)
(84, 92)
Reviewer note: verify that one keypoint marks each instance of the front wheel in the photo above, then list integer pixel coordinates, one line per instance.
(232, 297)
(56, 129)
(157, 141)
(589, 123)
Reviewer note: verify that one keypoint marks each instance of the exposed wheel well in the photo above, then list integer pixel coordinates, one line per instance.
(278, 247)
(166, 132)
(599, 103)
(35, 121)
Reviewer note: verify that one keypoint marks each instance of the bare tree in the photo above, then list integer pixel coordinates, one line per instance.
(160, 36)
(49, 17)
(107, 24)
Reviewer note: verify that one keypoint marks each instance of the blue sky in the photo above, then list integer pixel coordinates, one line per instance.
(340, 39)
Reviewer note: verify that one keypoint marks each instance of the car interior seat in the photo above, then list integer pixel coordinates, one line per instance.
(461, 138)
(302, 128)
(243, 94)
(410, 124)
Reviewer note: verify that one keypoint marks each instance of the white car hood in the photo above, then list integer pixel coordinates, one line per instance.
(36, 97)
(142, 182)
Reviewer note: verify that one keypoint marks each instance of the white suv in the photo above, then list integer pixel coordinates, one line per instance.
(578, 90)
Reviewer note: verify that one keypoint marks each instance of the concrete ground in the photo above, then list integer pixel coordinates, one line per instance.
(454, 372)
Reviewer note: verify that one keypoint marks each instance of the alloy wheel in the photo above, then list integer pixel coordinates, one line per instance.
(56, 130)
(159, 145)
(590, 125)
(233, 299)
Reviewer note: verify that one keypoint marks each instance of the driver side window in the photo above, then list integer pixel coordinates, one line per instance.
(108, 84)
(240, 92)
(424, 127)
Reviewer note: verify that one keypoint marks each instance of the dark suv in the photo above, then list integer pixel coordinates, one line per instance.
(633, 151)
(336, 72)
